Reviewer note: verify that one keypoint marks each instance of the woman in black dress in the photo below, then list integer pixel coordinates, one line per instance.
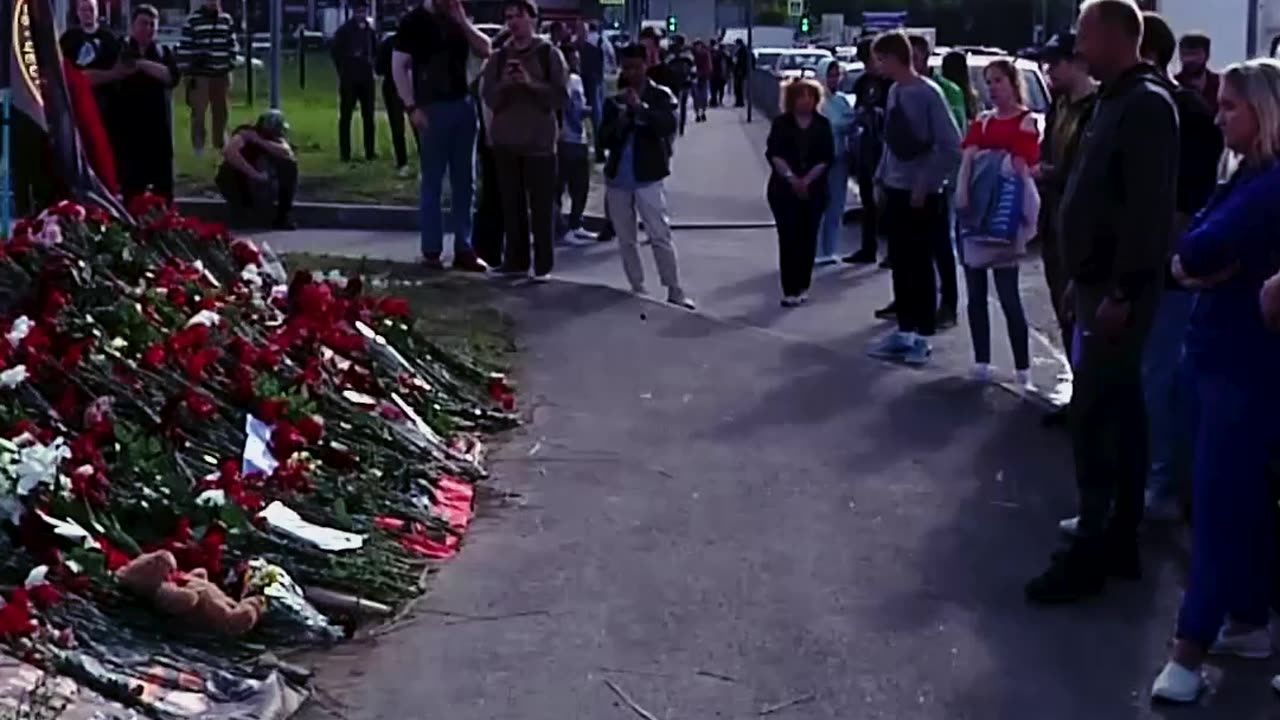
(800, 149)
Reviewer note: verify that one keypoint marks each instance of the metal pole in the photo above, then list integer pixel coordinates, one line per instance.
(277, 21)
(248, 52)
(751, 54)
(1251, 42)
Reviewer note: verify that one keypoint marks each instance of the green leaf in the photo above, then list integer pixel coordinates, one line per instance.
(340, 513)
(234, 517)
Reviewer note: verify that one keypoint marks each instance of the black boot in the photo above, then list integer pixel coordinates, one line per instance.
(1074, 574)
(1124, 561)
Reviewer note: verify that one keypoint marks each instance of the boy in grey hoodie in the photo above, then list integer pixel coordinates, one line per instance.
(922, 151)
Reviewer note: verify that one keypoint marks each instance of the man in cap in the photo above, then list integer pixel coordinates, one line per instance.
(1074, 95)
(259, 172)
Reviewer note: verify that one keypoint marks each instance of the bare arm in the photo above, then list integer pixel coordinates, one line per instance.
(402, 76)
(278, 148)
(156, 70)
(478, 41)
(234, 155)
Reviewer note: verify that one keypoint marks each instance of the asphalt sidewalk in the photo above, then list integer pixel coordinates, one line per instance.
(719, 520)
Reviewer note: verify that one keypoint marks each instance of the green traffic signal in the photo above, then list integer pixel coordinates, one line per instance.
(672, 24)
(805, 24)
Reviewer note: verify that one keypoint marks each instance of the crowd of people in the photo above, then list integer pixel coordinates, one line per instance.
(1162, 253)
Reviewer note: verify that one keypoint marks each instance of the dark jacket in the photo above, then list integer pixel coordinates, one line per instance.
(355, 51)
(653, 128)
(590, 62)
(1063, 128)
(1116, 215)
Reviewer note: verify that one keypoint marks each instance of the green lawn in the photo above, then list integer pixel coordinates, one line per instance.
(313, 118)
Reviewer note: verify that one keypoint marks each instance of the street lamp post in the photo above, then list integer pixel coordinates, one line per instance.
(277, 20)
(751, 54)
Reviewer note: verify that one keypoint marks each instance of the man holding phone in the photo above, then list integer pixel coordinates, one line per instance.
(638, 130)
(526, 85)
(429, 67)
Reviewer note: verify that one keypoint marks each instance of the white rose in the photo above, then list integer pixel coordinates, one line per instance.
(14, 376)
(19, 331)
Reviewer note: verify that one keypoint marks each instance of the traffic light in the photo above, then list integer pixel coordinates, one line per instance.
(806, 25)
(673, 25)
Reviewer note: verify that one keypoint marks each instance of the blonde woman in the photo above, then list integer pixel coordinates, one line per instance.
(800, 150)
(1227, 255)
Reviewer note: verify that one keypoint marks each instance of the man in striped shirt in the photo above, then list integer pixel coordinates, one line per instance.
(206, 55)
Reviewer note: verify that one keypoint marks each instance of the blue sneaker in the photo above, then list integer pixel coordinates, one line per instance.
(919, 353)
(893, 347)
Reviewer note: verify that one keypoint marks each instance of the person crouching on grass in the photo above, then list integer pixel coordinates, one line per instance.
(638, 130)
(259, 173)
(800, 149)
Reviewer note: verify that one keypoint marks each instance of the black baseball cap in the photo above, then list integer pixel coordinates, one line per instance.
(1060, 47)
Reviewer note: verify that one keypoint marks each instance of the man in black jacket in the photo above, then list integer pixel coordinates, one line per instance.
(1115, 221)
(638, 128)
(354, 51)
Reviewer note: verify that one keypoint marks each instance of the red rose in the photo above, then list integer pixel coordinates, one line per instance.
(311, 427)
(245, 253)
(200, 361)
(153, 357)
(45, 595)
(177, 296)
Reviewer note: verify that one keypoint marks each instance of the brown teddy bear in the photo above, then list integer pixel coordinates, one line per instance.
(155, 576)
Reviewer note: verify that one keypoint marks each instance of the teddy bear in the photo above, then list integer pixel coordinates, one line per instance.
(190, 595)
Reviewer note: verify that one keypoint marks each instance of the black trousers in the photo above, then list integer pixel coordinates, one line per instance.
(717, 90)
(871, 227)
(912, 234)
(350, 93)
(944, 259)
(396, 118)
(574, 169)
(797, 220)
(740, 98)
(488, 221)
(1108, 416)
(260, 201)
(145, 166)
(683, 99)
(528, 186)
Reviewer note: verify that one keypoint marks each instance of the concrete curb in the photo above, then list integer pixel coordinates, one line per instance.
(404, 218)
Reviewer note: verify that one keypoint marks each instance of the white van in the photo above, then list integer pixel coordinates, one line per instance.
(774, 36)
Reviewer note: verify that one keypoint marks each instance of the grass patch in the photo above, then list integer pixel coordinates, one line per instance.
(457, 311)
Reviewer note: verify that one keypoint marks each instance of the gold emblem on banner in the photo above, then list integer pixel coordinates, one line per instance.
(25, 47)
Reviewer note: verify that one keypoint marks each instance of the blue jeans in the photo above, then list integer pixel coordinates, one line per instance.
(833, 218)
(1165, 391)
(448, 142)
(1010, 303)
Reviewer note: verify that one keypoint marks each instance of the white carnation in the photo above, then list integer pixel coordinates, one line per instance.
(14, 376)
(19, 331)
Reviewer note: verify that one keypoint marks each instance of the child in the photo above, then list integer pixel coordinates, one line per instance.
(574, 158)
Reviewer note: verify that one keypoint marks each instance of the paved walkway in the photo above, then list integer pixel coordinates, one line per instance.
(729, 510)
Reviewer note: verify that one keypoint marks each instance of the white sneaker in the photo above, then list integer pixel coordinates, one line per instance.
(790, 301)
(679, 299)
(1252, 645)
(828, 260)
(540, 279)
(981, 372)
(803, 298)
(1177, 684)
(404, 171)
(1023, 379)
(585, 234)
(1070, 527)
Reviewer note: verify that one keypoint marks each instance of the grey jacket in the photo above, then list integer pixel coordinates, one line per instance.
(925, 109)
(1117, 211)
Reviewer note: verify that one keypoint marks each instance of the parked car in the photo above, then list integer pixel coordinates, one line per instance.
(790, 62)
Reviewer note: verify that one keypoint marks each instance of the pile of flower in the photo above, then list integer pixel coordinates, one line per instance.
(163, 384)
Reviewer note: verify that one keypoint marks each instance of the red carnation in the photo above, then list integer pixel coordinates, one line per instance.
(286, 440)
(201, 405)
(153, 357)
(244, 253)
(394, 306)
(200, 361)
(311, 427)
(15, 616)
(270, 410)
(178, 296)
(45, 595)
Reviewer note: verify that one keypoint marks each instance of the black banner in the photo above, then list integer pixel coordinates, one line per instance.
(39, 92)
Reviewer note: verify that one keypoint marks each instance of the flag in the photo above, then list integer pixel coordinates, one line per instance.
(40, 94)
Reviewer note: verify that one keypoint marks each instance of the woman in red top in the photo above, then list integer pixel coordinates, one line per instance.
(1010, 127)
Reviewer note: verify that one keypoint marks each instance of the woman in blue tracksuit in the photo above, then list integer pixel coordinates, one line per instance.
(839, 112)
(1233, 364)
